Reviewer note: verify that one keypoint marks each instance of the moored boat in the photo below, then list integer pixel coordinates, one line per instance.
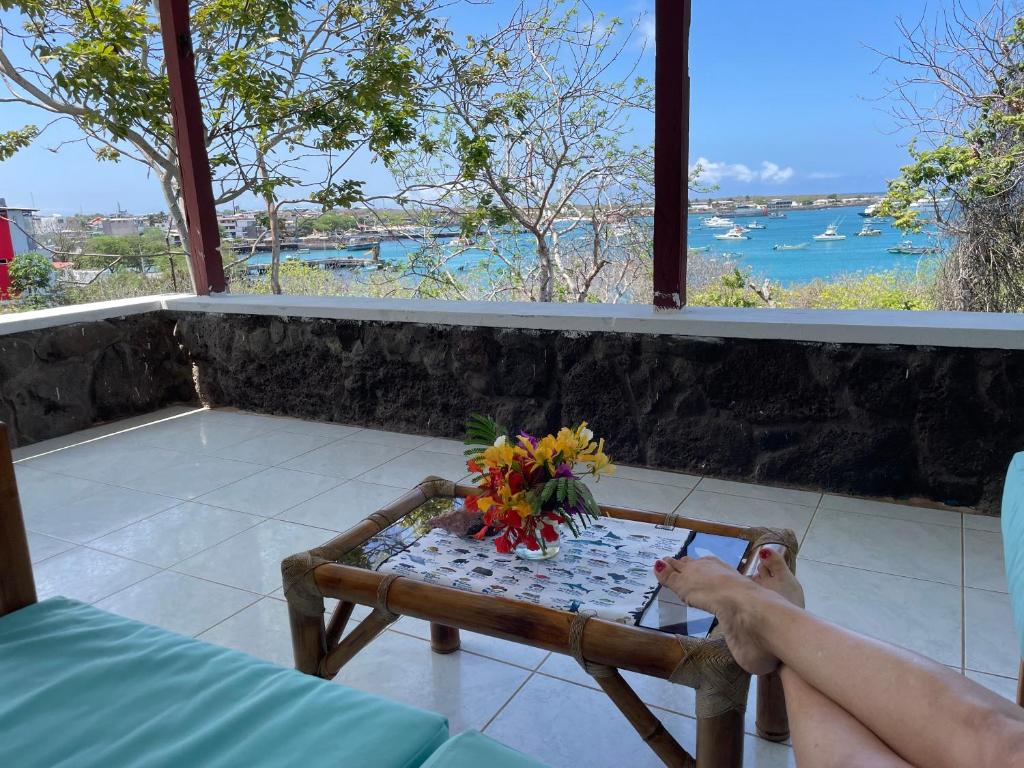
(736, 233)
(756, 225)
(784, 247)
(830, 234)
(908, 248)
(717, 222)
(868, 231)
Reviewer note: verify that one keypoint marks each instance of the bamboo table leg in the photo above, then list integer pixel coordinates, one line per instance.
(772, 719)
(444, 639)
(720, 740)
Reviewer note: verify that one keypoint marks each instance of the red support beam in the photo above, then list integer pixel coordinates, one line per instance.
(671, 150)
(190, 140)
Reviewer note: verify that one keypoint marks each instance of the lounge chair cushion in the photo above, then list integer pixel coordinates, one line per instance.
(1013, 540)
(82, 687)
(471, 749)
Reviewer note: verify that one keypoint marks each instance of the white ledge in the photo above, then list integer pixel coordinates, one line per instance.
(938, 329)
(933, 329)
(17, 322)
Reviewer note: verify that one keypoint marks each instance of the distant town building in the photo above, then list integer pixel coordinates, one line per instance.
(776, 205)
(123, 225)
(239, 226)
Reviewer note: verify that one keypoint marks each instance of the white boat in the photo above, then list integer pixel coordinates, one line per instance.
(830, 234)
(717, 222)
(868, 231)
(871, 210)
(783, 247)
(736, 233)
(755, 225)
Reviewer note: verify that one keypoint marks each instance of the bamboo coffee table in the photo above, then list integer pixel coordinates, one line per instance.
(342, 569)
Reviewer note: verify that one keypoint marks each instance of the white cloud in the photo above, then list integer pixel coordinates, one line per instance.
(768, 173)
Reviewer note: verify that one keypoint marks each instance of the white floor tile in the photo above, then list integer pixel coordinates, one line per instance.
(192, 476)
(410, 469)
(344, 459)
(318, 428)
(482, 645)
(39, 490)
(269, 492)
(97, 514)
(261, 630)
(107, 461)
(991, 644)
(568, 726)
(252, 559)
(633, 494)
(662, 477)
(175, 534)
(192, 433)
(467, 689)
(273, 448)
(890, 509)
(343, 506)
(989, 523)
(1004, 686)
(180, 603)
(766, 492)
(41, 547)
(442, 445)
(923, 616)
(87, 575)
(393, 439)
(983, 560)
(736, 510)
(888, 545)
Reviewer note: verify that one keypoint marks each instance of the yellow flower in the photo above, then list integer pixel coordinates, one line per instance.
(521, 505)
(500, 455)
(484, 503)
(601, 464)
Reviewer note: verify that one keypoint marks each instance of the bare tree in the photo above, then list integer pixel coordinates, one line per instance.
(960, 87)
(530, 143)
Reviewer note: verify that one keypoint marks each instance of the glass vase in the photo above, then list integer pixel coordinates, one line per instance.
(549, 549)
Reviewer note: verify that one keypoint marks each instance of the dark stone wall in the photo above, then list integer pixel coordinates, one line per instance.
(935, 423)
(65, 378)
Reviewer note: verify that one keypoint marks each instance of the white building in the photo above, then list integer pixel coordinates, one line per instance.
(239, 226)
(123, 225)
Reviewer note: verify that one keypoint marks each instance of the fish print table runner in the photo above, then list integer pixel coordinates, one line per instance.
(608, 570)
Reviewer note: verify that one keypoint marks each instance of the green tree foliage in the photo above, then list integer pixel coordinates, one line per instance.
(31, 273)
(965, 98)
(290, 89)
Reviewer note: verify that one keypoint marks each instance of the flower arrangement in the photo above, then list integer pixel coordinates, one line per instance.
(529, 485)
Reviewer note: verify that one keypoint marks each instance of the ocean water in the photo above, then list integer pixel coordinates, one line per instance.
(820, 260)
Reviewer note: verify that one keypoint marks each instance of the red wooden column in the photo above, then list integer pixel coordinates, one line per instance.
(671, 150)
(190, 138)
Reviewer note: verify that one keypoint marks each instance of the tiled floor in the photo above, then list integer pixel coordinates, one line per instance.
(181, 519)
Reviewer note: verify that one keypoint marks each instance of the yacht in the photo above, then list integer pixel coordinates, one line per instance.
(717, 222)
(908, 248)
(868, 231)
(871, 210)
(736, 233)
(830, 234)
(784, 247)
(756, 225)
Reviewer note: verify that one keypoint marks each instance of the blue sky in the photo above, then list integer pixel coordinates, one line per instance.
(784, 101)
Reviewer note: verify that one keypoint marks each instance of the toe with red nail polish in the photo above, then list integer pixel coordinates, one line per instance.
(659, 566)
(764, 554)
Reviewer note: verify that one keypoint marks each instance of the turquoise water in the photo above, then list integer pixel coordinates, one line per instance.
(855, 255)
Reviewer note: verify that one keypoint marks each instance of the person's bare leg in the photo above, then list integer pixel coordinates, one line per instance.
(827, 736)
(925, 712)
(824, 734)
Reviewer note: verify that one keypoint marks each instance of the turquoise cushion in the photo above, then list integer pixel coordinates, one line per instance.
(1013, 540)
(471, 749)
(81, 687)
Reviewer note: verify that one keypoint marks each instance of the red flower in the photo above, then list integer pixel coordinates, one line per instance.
(549, 532)
(472, 466)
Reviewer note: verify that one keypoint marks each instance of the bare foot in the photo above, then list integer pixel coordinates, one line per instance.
(773, 573)
(711, 585)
